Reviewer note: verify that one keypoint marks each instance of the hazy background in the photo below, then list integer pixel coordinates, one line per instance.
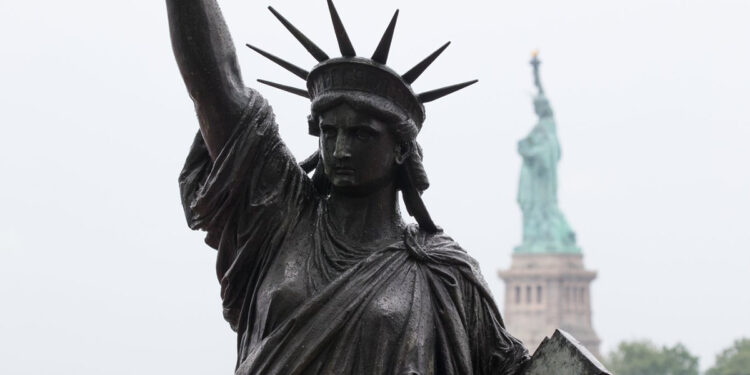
(100, 275)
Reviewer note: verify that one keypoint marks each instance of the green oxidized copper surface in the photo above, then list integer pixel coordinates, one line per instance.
(545, 229)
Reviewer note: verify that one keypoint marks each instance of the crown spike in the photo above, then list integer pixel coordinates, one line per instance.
(314, 50)
(384, 47)
(293, 90)
(345, 45)
(429, 96)
(299, 72)
(417, 71)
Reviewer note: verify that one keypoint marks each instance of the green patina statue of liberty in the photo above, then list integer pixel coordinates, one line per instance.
(545, 229)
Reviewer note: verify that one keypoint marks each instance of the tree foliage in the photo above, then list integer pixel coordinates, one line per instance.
(734, 360)
(645, 358)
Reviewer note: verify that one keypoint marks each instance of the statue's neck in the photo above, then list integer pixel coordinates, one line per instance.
(367, 219)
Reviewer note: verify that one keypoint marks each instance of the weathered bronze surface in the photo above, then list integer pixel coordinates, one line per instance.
(320, 274)
(562, 354)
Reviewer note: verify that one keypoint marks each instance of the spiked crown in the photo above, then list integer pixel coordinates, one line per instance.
(352, 73)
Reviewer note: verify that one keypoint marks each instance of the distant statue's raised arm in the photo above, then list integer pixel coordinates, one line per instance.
(208, 63)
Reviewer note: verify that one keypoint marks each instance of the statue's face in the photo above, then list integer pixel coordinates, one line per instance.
(358, 150)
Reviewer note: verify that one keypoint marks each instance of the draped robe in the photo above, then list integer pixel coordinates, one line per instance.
(303, 300)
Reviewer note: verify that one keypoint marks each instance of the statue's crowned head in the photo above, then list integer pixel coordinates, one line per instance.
(366, 115)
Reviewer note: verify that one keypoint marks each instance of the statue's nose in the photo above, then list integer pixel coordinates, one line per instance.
(343, 147)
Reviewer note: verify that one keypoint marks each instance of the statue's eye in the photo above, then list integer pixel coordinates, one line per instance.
(364, 134)
(329, 131)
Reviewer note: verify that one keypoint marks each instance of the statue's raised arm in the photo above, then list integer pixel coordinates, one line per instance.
(208, 63)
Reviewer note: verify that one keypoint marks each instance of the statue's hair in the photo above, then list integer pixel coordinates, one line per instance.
(401, 126)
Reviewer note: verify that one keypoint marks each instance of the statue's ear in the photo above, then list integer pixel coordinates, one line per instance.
(403, 151)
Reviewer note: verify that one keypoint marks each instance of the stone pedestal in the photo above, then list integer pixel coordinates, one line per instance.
(544, 292)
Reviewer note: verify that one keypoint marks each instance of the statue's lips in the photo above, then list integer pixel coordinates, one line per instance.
(344, 171)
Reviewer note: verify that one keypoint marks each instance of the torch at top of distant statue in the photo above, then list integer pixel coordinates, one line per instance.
(545, 229)
(535, 62)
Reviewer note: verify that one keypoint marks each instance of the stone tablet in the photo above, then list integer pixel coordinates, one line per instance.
(564, 355)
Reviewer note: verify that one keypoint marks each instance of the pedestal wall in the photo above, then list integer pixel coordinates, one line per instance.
(544, 292)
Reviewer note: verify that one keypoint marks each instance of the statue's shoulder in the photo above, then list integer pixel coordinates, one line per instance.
(442, 254)
(437, 247)
(432, 240)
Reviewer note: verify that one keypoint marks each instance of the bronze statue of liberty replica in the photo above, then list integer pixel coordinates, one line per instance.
(319, 273)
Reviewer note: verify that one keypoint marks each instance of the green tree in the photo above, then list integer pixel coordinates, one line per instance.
(734, 360)
(645, 358)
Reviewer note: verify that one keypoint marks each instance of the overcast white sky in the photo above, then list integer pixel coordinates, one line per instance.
(100, 275)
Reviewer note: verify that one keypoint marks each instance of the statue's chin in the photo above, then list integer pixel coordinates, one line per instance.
(350, 187)
(344, 181)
